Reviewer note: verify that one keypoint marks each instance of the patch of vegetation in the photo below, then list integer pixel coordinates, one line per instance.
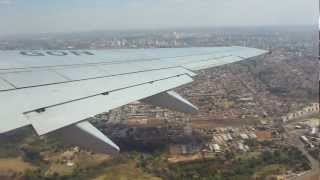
(274, 169)
(127, 171)
(59, 169)
(279, 91)
(31, 155)
(265, 75)
(231, 166)
(32, 175)
(10, 142)
(136, 165)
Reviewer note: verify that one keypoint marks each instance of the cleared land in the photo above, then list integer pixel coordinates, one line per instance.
(15, 165)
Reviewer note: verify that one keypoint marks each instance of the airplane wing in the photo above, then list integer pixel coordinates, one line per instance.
(56, 91)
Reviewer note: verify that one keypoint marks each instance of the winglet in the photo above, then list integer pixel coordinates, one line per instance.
(173, 101)
(86, 135)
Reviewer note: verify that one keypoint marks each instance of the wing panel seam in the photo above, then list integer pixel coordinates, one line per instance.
(99, 77)
(42, 109)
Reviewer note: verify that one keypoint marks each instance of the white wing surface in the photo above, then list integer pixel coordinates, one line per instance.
(58, 90)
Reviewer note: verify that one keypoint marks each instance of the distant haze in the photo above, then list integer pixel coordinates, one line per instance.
(39, 16)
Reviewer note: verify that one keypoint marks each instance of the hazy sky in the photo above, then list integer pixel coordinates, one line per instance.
(33, 16)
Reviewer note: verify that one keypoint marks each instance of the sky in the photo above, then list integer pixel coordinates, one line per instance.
(40, 16)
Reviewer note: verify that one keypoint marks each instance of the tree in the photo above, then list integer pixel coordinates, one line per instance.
(31, 155)
(32, 175)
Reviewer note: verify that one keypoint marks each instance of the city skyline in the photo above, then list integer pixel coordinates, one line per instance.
(34, 16)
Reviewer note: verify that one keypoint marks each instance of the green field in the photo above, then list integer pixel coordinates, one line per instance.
(127, 171)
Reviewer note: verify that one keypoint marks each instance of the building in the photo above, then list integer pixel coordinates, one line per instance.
(306, 111)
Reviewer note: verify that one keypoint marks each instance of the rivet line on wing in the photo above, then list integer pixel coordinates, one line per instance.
(40, 110)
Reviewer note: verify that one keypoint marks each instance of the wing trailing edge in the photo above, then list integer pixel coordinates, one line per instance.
(171, 100)
(85, 135)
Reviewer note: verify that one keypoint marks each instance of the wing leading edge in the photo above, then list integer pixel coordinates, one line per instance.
(45, 90)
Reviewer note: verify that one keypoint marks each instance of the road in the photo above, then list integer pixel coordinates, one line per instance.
(294, 139)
